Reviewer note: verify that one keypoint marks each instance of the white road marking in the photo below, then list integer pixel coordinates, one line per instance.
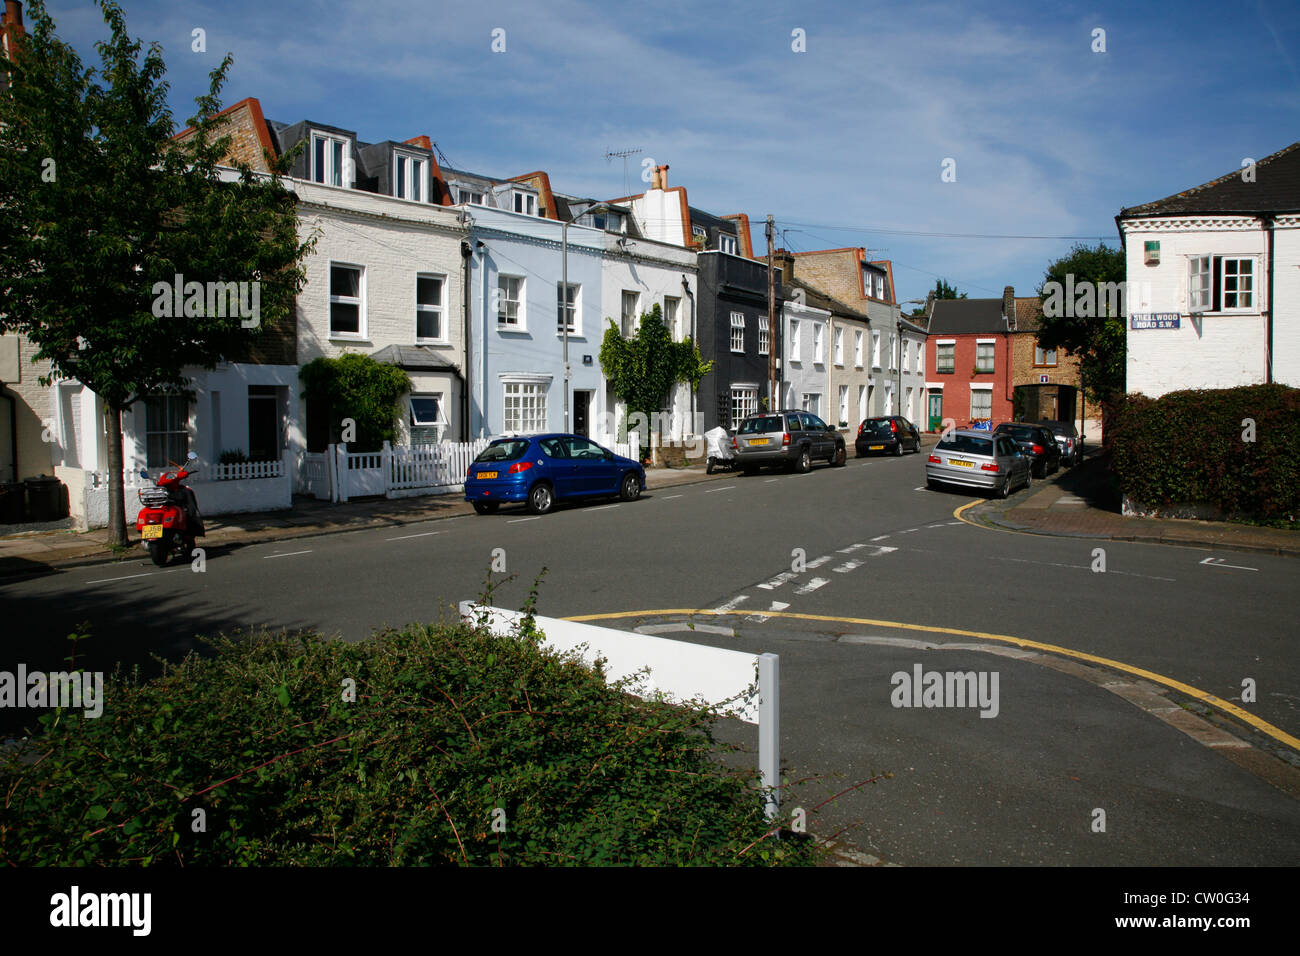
(670, 497)
(770, 480)
(909, 530)
(818, 562)
(851, 548)
(617, 504)
(939, 525)
(760, 618)
(517, 520)
(288, 554)
(882, 537)
(128, 577)
(1218, 563)
(426, 534)
(723, 488)
(951, 523)
(733, 603)
(847, 566)
(919, 488)
(812, 585)
(779, 580)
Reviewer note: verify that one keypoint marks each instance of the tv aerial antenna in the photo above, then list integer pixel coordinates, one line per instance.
(623, 154)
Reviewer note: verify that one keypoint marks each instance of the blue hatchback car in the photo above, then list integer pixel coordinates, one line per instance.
(543, 469)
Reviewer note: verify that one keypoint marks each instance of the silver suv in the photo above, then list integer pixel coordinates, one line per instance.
(791, 438)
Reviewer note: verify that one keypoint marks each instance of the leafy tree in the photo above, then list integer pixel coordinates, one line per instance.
(101, 205)
(942, 290)
(1094, 333)
(356, 387)
(642, 369)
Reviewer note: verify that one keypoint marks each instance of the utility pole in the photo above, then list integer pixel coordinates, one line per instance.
(774, 401)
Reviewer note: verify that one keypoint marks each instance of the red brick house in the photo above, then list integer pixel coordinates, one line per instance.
(968, 362)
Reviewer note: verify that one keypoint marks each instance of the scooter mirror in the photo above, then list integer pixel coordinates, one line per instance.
(191, 457)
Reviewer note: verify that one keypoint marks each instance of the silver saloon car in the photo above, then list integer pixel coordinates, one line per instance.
(978, 459)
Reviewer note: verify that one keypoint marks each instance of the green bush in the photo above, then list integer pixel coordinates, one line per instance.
(1187, 448)
(449, 727)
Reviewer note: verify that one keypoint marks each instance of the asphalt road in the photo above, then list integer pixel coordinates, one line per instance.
(877, 550)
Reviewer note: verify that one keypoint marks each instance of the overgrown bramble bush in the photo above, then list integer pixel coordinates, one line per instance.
(451, 729)
(1187, 448)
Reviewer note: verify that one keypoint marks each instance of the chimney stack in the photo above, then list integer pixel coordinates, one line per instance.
(783, 259)
(659, 177)
(1009, 306)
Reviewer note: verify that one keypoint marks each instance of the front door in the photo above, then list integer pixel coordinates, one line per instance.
(581, 409)
(935, 411)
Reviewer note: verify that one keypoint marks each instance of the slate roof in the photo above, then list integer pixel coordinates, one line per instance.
(1276, 189)
(414, 357)
(966, 316)
(820, 301)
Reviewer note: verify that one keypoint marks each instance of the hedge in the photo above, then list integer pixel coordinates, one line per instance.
(460, 748)
(1190, 448)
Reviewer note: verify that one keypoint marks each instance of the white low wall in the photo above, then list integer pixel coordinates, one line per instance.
(88, 496)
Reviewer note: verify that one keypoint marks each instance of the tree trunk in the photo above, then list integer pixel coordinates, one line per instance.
(116, 491)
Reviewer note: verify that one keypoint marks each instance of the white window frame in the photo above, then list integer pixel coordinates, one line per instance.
(672, 316)
(332, 171)
(727, 243)
(1041, 356)
(812, 403)
(794, 341)
(764, 336)
(938, 364)
(980, 389)
(439, 424)
(630, 321)
(844, 404)
(880, 287)
(462, 191)
(738, 332)
(906, 353)
(1200, 283)
(573, 308)
(525, 198)
(165, 405)
(893, 352)
(744, 402)
(875, 350)
(838, 346)
(414, 183)
(526, 418)
(819, 337)
(857, 348)
(439, 309)
(1221, 270)
(992, 344)
(920, 358)
(360, 301)
(520, 323)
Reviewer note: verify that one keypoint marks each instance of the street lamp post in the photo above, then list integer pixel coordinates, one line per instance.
(564, 301)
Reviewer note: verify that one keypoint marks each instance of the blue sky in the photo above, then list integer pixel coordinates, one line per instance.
(843, 143)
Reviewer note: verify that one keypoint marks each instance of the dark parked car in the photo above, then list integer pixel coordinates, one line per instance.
(541, 469)
(791, 438)
(890, 434)
(1067, 436)
(1035, 441)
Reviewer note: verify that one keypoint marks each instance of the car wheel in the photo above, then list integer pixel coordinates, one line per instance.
(708, 469)
(840, 457)
(1004, 489)
(541, 498)
(1029, 479)
(486, 507)
(898, 449)
(804, 463)
(932, 484)
(630, 489)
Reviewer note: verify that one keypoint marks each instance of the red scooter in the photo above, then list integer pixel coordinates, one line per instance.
(169, 519)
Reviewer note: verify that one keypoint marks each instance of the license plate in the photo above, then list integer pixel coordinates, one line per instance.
(758, 441)
(151, 531)
(877, 448)
(487, 474)
(961, 464)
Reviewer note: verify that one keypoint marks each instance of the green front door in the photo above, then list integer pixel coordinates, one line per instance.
(935, 411)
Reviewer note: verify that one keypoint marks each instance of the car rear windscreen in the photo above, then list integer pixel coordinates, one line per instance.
(506, 449)
(1020, 432)
(967, 445)
(878, 427)
(762, 425)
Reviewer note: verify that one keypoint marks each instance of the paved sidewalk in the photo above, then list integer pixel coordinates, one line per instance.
(1079, 503)
(44, 549)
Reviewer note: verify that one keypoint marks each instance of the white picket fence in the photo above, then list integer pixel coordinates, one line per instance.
(243, 469)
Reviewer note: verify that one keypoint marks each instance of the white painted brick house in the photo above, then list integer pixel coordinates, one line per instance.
(1204, 268)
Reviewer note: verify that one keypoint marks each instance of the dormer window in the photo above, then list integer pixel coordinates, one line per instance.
(410, 175)
(469, 194)
(727, 244)
(525, 203)
(330, 160)
(699, 234)
(608, 220)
